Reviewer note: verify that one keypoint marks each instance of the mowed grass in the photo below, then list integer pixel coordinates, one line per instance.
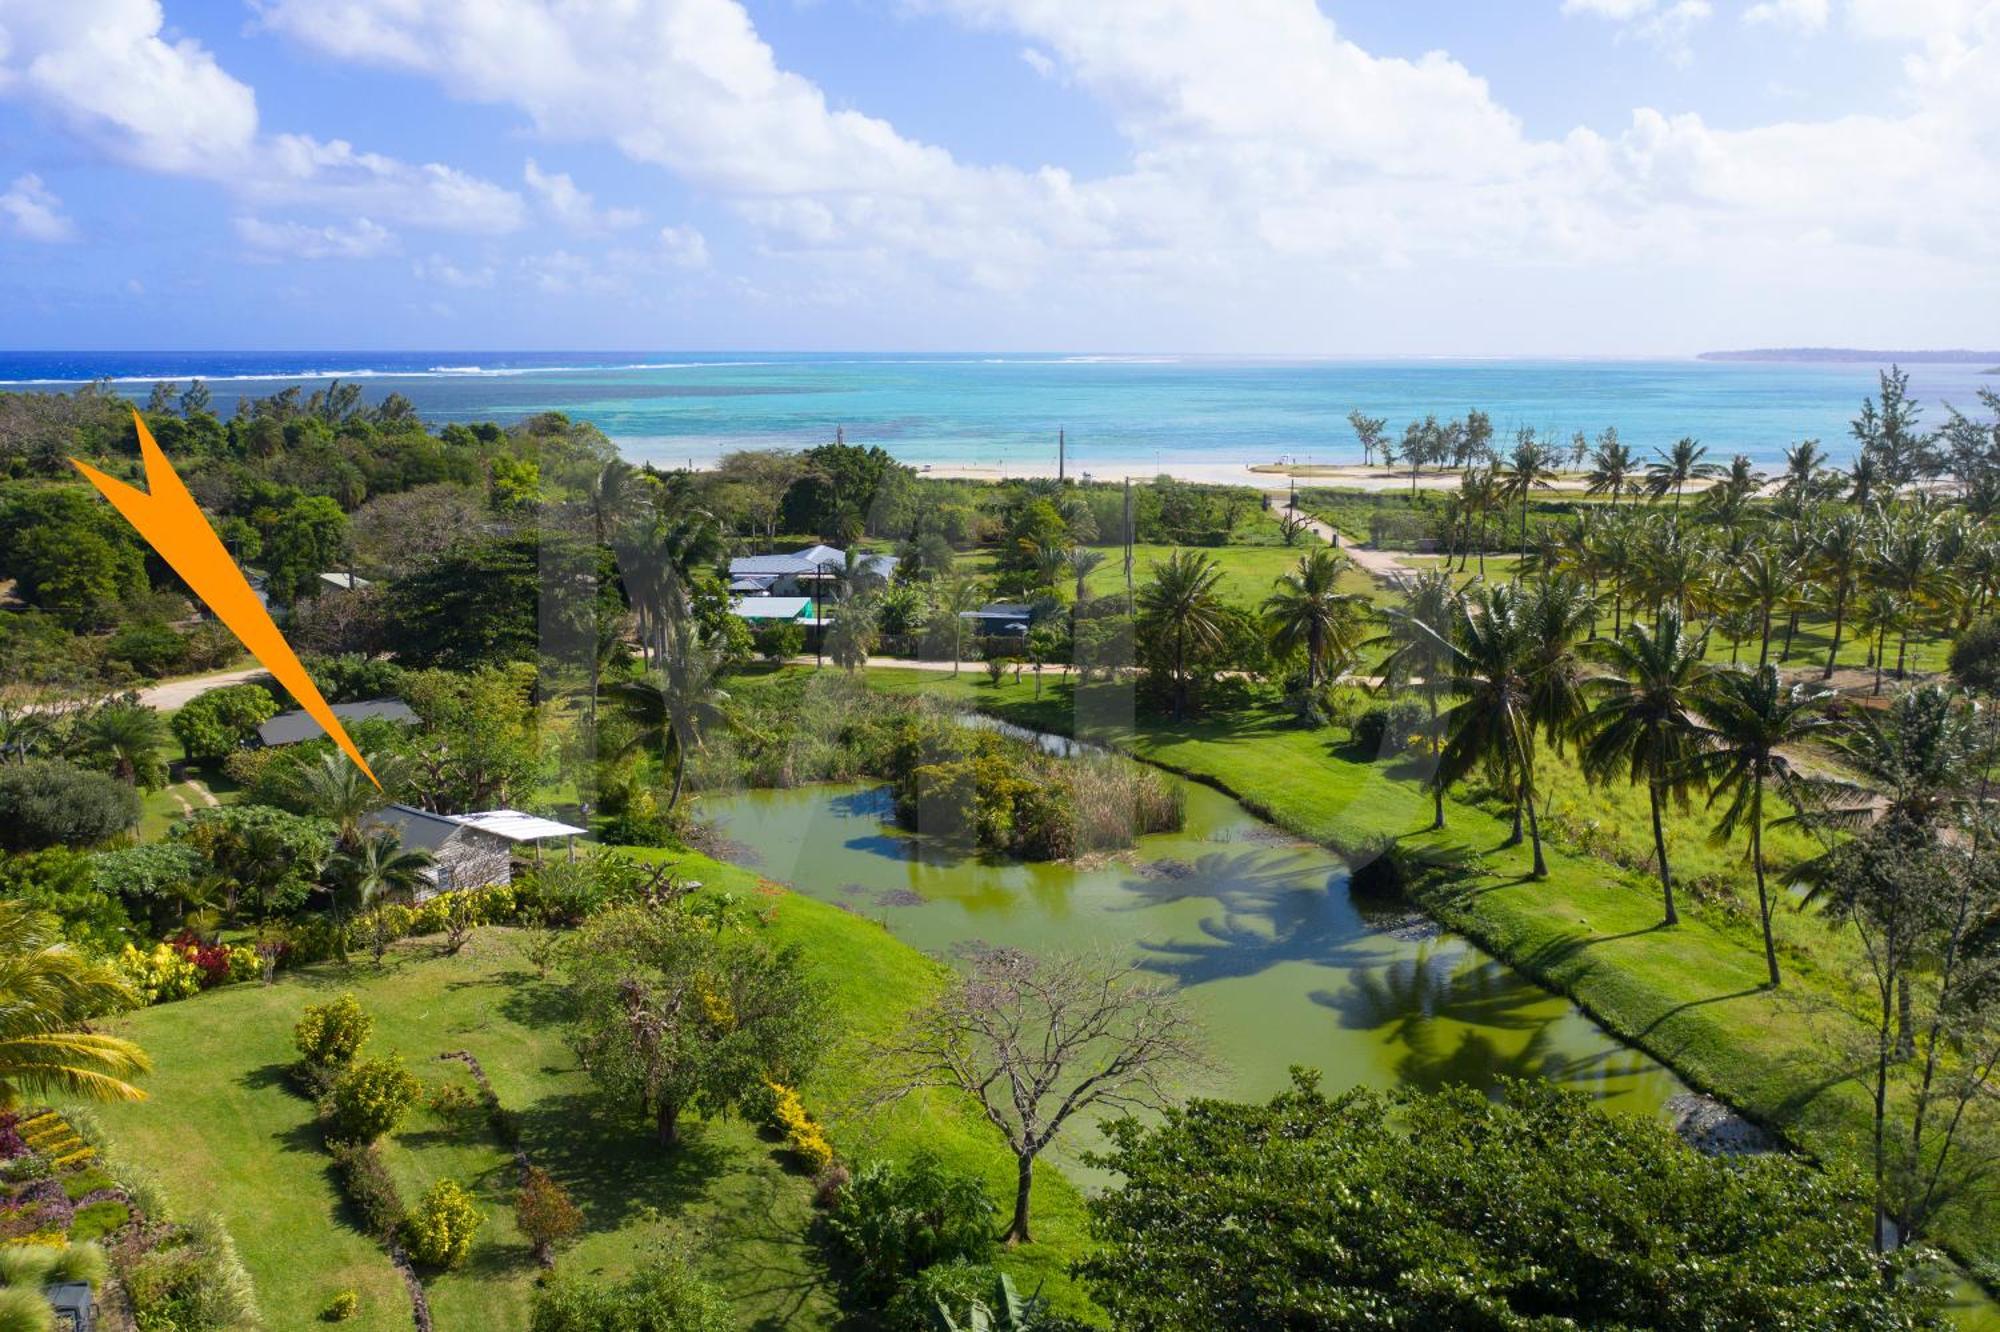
(225, 1132)
(1692, 996)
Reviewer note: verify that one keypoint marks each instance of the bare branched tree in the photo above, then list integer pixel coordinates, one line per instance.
(1037, 1041)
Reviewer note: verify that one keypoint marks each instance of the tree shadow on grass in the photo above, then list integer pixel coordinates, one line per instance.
(611, 1164)
(765, 1252)
(535, 1003)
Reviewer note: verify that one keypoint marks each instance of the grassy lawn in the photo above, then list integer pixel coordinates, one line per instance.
(224, 1131)
(1692, 996)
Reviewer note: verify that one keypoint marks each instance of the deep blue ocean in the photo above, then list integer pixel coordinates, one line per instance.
(1123, 414)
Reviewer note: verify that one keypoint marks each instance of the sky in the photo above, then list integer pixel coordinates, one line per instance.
(1352, 177)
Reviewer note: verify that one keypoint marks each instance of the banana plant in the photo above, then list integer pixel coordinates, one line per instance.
(1008, 1313)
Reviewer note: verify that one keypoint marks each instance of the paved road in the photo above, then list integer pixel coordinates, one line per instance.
(1382, 563)
(178, 693)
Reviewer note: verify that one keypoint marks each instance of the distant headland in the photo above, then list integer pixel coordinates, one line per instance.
(1959, 356)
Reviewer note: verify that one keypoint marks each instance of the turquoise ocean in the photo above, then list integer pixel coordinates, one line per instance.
(1122, 414)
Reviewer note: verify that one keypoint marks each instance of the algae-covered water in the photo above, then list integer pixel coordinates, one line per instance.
(1281, 964)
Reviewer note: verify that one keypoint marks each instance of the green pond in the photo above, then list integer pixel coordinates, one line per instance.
(1258, 931)
(1281, 964)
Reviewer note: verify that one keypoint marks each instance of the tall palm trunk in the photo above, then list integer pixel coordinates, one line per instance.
(1660, 850)
(1763, 894)
(1839, 613)
(1764, 644)
(1541, 870)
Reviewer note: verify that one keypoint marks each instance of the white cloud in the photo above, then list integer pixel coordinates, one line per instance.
(105, 71)
(362, 239)
(684, 247)
(1278, 174)
(1039, 62)
(436, 268)
(33, 211)
(1804, 15)
(573, 207)
(1667, 26)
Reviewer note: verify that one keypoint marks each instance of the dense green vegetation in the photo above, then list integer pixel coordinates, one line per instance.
(1609, 758)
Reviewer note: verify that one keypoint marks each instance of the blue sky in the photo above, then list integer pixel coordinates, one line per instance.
(1250, 176)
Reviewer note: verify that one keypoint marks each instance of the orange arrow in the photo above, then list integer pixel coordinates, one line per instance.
(172, 524)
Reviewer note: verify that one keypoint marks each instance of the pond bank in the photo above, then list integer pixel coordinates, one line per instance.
(1692, 996)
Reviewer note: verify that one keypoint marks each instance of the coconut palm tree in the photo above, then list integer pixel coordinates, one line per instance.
(1907, 558)
(1419, 651)
(48, 991)
(1916, 761)
(851, 636)
(1617, 557)
(1837, 559)
(1558, 615)
(1479, 492)
(1864, 480)
(1179, 605)
(1879, 613)
(1310, 614)
(672, 707)
(375, 867)
(1081, 562)
(1645, 720)
(1528, 468)
(958, 595)
(1490, 655)
(1678, 466)
(1612, 467)
(130, 738)
(1804, 462)
(612, 497)
(1748, 722)
(336, 790)
(1759, 583)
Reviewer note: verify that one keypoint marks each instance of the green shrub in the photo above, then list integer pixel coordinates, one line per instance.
(23, 1309)
(88, 1180)
(23, 1169)
(343, 1306)
(98, 1219)
(439, 1232)
(26, 1265)
(47, 802)
(780, 641)
(1388, 728)
(80, 1261)
(213, 724)
(368, 1186)
(370, 1097)
(192, 1279)
(329, 1034)
(664, 1295)
(893, 1221)
(149, 649)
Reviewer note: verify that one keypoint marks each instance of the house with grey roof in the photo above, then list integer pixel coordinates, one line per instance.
(467, 850)
(289, 728)
(999, 619)
(801, 573)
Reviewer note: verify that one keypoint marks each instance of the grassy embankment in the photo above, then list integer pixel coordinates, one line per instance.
(224, 1131)
(1692, 996)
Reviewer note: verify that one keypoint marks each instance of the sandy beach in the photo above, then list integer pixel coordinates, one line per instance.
(1263, 475)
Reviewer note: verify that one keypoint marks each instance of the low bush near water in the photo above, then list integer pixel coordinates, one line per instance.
(892, 1221)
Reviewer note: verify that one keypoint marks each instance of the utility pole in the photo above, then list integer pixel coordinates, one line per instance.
(1062, 450)
(1128, 539)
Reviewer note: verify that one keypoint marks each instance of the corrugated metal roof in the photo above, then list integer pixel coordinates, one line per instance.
(418, 829)
(771, 608)
(516, 826)
(289, 728)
